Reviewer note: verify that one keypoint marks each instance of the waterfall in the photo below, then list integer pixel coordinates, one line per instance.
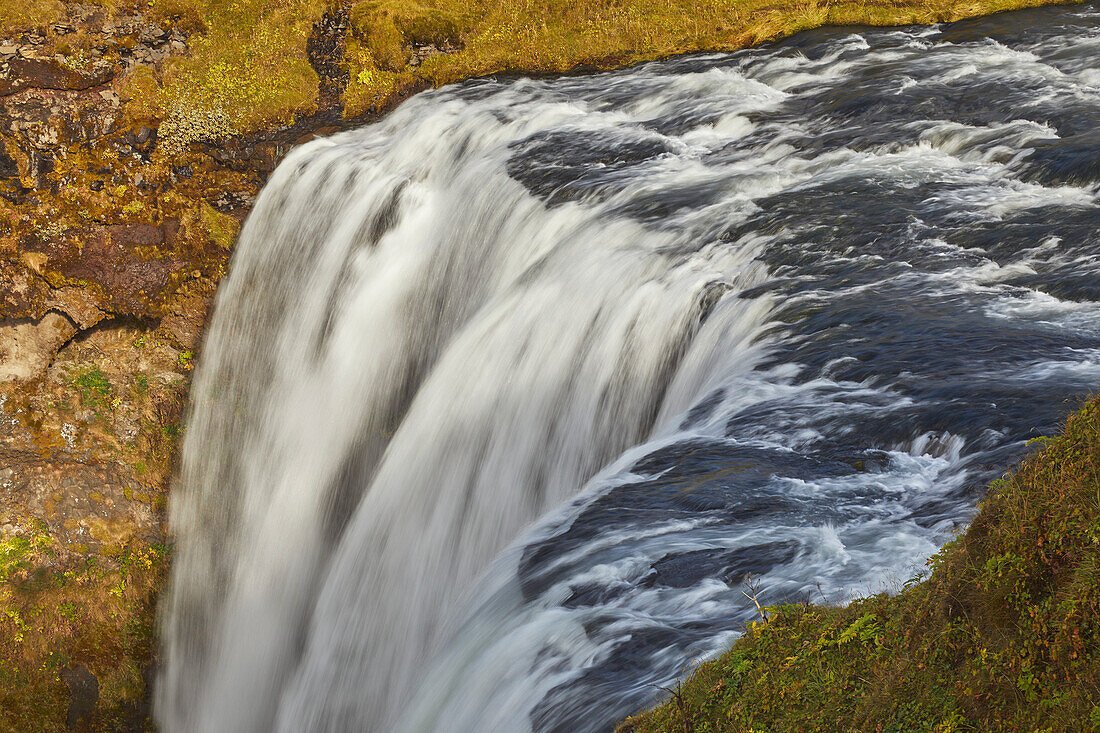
(411, 360)
(533, 373)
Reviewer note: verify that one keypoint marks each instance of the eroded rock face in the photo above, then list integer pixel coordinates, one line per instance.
(88, 508)
(130, 263)
(90, 228)
(46, 118)
(79, 446)
(26, 295)
(26, 348)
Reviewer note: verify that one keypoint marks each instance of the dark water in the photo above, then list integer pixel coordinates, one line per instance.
(937, 287)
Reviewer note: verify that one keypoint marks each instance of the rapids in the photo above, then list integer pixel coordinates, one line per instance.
(507, 395)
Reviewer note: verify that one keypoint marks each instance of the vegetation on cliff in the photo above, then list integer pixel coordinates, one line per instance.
(254, 63)
(1004, 634)
(85, 454)
(76, 643)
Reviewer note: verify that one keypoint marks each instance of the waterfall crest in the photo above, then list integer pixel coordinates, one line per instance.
(411, 360)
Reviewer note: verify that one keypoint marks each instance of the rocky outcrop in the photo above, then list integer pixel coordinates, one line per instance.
(21, 69)
(69, 254)
(108, 261)
(86, 508)
(26, 348)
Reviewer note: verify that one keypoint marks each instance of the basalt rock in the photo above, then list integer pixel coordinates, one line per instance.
(22, 72)
(122, 268)
(45, 118)
(88, 507)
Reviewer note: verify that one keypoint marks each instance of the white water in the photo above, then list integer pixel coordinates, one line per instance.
(418, 362)
(498, 354)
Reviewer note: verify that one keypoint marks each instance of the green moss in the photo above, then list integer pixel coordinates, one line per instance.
(1004, 635)
(94, 387)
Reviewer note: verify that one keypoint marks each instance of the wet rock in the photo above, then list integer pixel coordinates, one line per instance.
(731, 566)
(83, 695)
(594, 594)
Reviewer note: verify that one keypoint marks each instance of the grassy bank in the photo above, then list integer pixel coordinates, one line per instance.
(249, 62)
(1004, 635)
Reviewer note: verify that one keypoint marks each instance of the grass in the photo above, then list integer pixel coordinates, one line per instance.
(100, 616)
(1003, 636)
(248, 66)
(18, 15)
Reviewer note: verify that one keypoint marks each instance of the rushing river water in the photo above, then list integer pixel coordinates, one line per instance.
(508, 394)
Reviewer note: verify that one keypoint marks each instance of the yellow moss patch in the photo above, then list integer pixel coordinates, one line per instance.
(24, 15)
(221, 228)
(559, 35)
(247, 68)
(97, 617)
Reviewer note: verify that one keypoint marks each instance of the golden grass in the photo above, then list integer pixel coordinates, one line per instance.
(20, 15)
(248, 67)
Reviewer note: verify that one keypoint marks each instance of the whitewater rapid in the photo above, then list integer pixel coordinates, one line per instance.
(507, 395)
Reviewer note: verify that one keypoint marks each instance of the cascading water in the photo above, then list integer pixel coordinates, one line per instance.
(507, 394)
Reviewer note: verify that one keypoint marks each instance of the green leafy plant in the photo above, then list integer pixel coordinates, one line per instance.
(94, 388)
